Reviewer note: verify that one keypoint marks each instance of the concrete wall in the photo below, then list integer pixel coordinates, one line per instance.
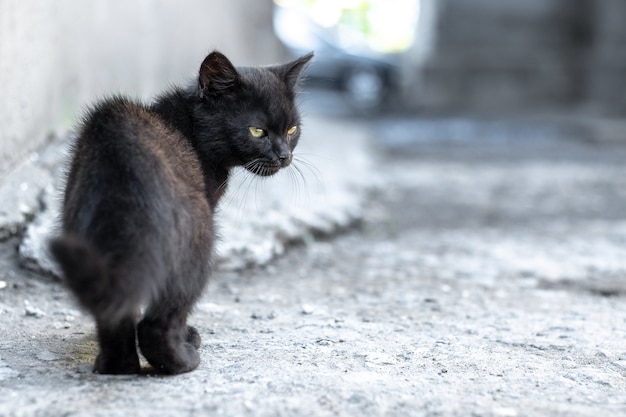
(56, 56)
(495, 55)
(607, 63)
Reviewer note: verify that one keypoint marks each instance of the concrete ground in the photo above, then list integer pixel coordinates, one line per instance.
(480, 271)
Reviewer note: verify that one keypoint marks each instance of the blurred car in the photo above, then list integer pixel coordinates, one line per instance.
(366, 79)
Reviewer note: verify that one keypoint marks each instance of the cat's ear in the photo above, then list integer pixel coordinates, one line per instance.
(290, 72)
(217, 75)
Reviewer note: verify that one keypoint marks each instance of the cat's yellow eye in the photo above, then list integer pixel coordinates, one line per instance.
(256, 132)
(293, 130)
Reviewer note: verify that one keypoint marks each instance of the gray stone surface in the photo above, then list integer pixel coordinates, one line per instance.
(485, 280)
(22, 193)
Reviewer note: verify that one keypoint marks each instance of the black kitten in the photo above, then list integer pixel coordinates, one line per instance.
(144, 181)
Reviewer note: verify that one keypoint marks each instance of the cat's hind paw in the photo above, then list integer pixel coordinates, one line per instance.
(165, 351)
(117, 366)
(193, 337)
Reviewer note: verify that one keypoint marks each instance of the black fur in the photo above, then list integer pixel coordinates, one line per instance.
(144, 182)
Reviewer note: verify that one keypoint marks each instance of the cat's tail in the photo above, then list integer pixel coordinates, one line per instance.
(87, 275)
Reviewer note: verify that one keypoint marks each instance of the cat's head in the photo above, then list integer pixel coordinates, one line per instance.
(257, 118)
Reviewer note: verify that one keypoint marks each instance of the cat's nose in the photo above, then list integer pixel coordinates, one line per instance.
(283, 153)
(284, 158)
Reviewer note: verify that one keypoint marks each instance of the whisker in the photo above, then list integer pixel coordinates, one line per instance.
(301, 187)
(258, 191)
(250, 172)
(250, 180)
(299, 173)
(251, 176)
(294, 184)
(231, 194)
(314, 155)
(308, 163)
(315, 172)
(222, 186)
(236, 196)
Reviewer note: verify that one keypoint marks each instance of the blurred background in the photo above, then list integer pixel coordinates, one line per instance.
(384, 58)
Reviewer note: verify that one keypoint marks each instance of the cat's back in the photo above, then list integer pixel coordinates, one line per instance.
(119, 124)
(115, 115)
(121, 139)
(131, 170)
